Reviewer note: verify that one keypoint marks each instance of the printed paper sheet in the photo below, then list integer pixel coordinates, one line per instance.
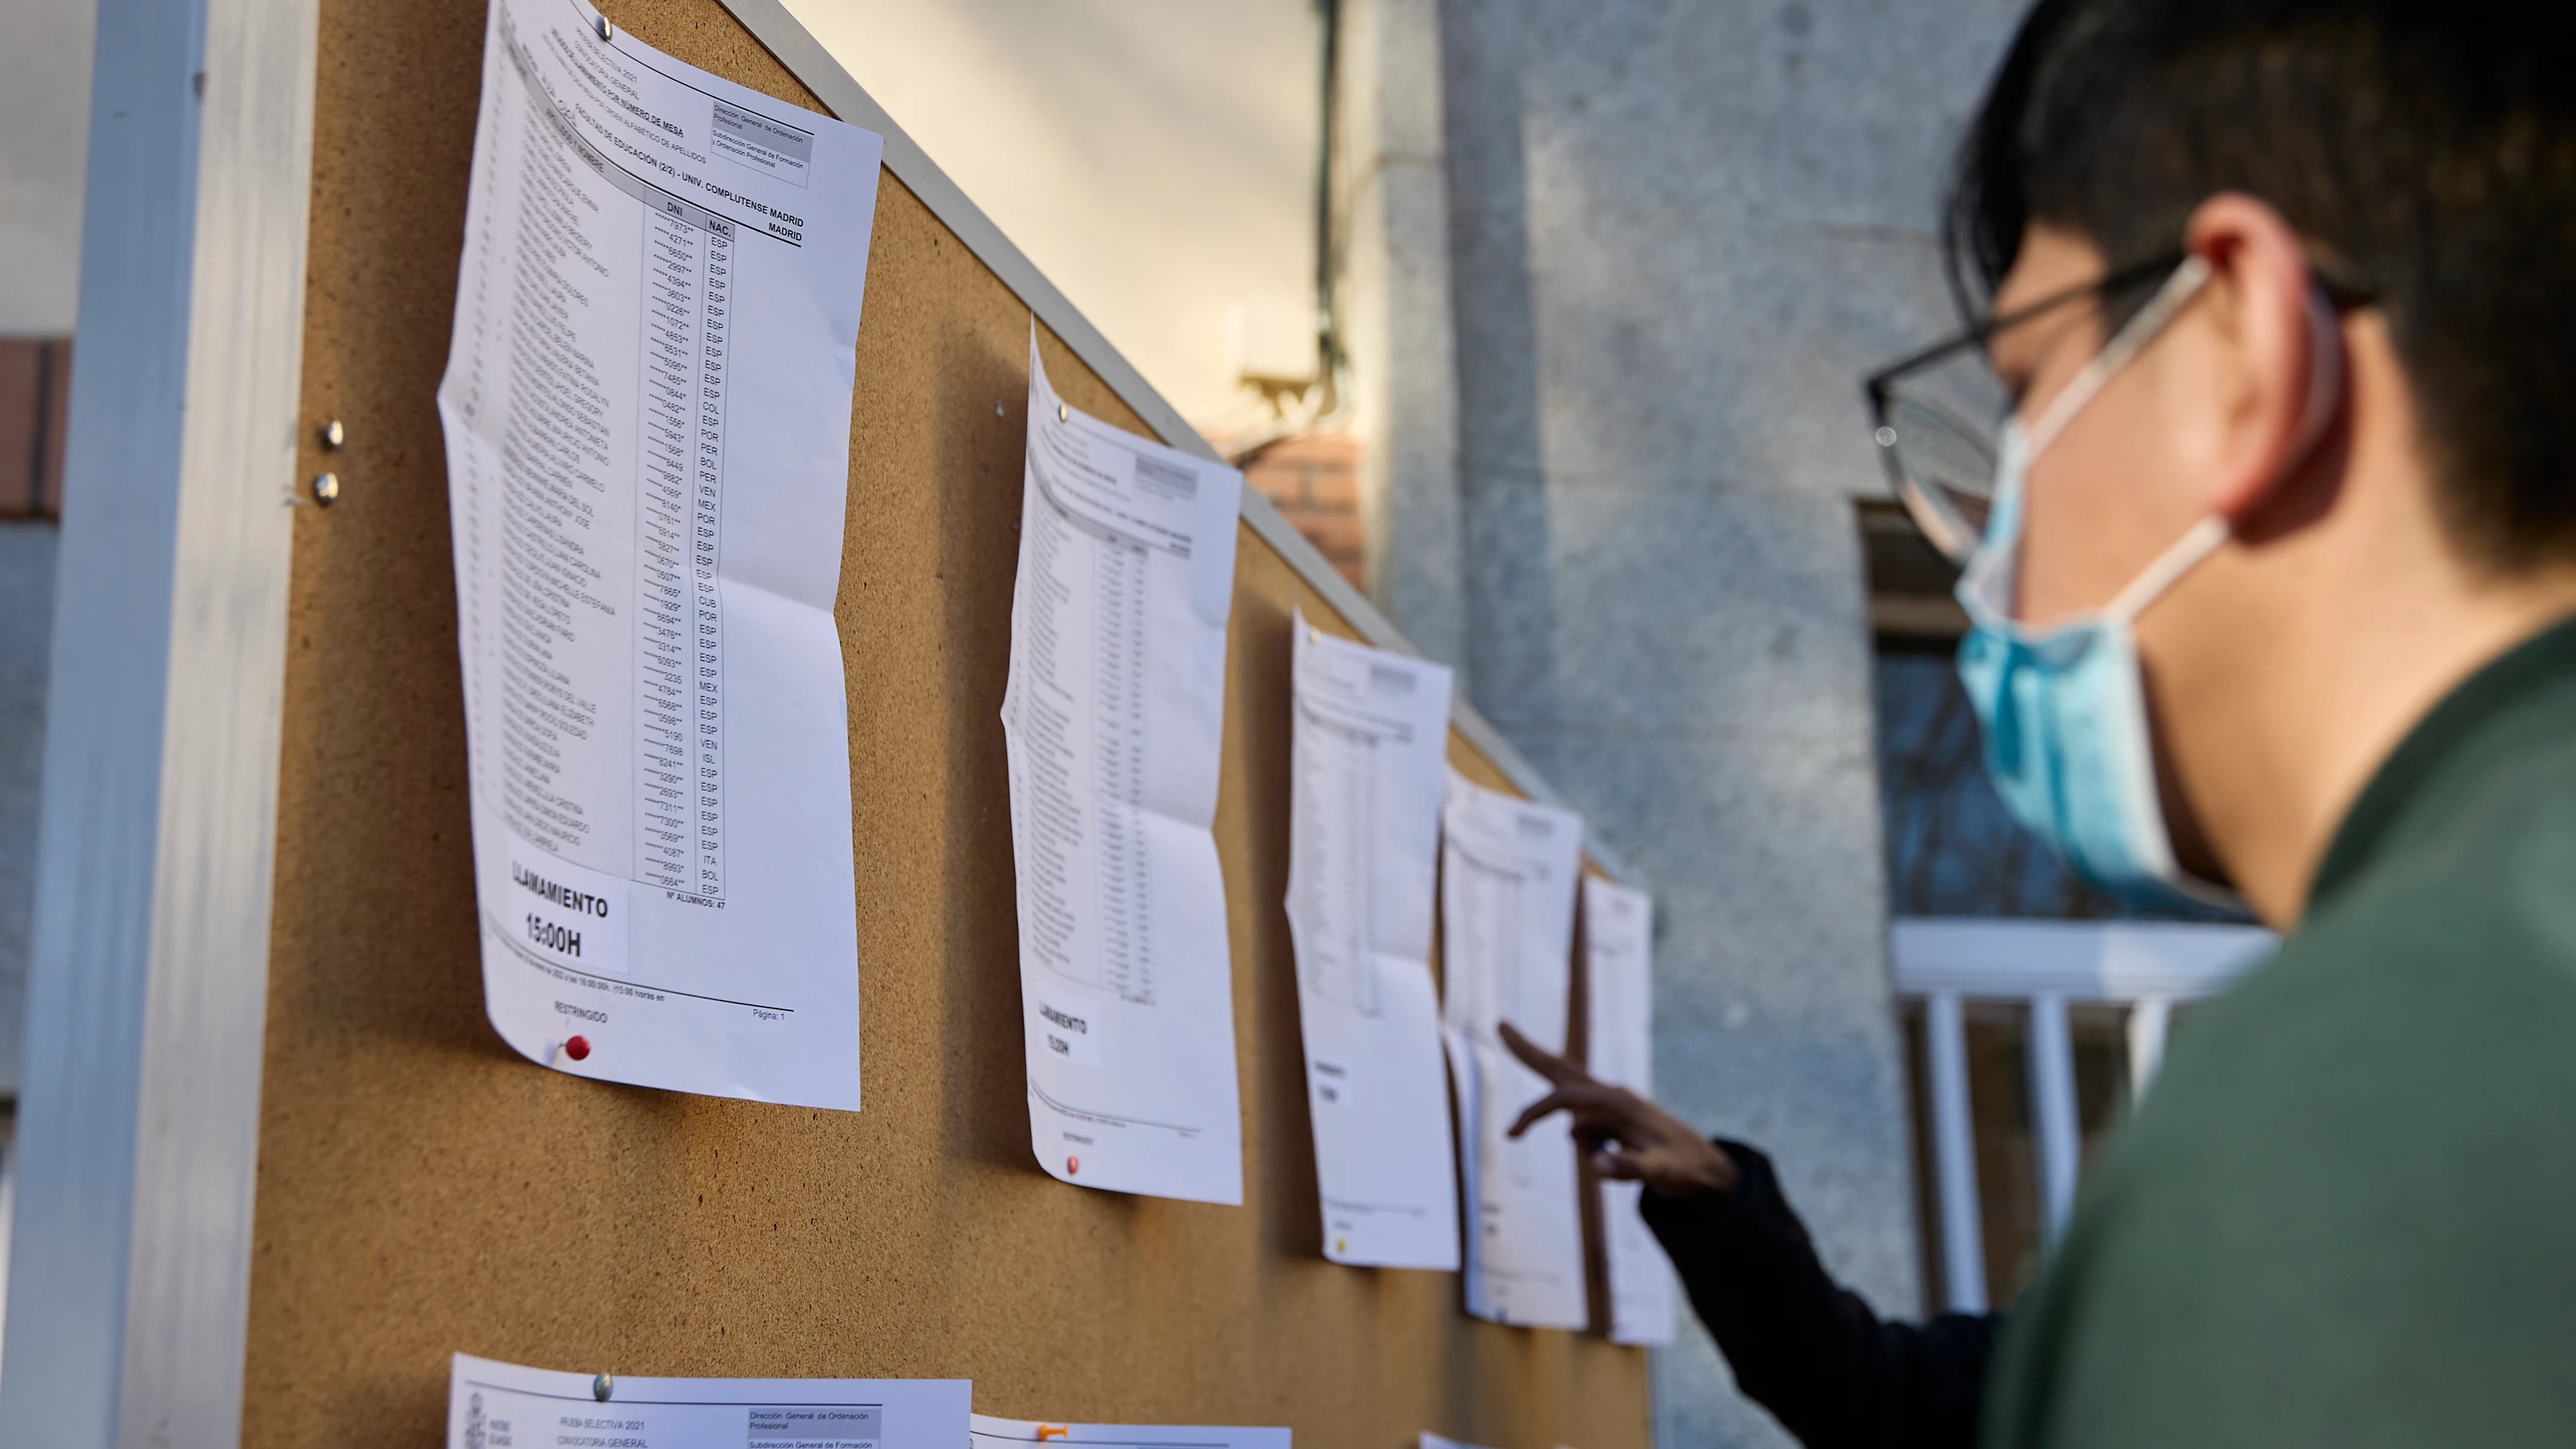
(1507, 873)
(647, 413)
(1371, 735)
(1113, 717)
(1618, 967)
(992, 1433)
(494, 1405)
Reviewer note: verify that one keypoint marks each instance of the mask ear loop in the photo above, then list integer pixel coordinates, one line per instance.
(2178, 289)
(1987, 576)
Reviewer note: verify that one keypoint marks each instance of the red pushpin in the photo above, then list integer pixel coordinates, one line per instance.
(1073, 1164)
(577, 1048)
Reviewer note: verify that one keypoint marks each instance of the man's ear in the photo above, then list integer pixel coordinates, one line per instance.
(2278, 372)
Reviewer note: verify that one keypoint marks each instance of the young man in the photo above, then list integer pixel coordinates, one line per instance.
(2272, 597)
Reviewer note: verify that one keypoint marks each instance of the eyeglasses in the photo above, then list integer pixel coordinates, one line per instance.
(1940, 414)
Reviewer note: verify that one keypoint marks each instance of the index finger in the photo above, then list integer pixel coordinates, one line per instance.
(1548, 1064)
(1586, 1101)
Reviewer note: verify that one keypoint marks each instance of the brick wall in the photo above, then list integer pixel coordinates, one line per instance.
(35, 385)
(1315, 482)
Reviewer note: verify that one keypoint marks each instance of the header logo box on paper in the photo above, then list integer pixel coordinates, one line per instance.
(830, 1426)
(758, 141)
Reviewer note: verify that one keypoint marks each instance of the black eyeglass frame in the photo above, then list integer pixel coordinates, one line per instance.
(1880, 386)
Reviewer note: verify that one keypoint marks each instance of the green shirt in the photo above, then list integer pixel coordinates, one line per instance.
(2346, 1212)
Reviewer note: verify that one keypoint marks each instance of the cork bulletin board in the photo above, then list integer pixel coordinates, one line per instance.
(423, 1190)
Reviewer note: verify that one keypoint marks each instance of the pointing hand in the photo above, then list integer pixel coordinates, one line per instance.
(1623, 1134)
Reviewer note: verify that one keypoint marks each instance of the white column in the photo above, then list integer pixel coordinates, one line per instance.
(2054, 1125)
(2148, 1018)
(147, 972)
(1954, 1155)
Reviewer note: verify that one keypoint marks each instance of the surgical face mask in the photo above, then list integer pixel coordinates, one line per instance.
(2064, 710)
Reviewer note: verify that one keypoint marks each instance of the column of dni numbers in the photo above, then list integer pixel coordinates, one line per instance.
(1126, 904)
(707, 716)
(1359, 808)
(665, 625)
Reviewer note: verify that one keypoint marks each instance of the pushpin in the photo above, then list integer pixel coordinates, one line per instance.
(606, 1384)
(1063, 414)
(1073, 1164)
(607, 31)
(578, 1048)
(326, 488)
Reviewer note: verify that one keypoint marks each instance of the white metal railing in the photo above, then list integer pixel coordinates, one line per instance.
(2148, 967)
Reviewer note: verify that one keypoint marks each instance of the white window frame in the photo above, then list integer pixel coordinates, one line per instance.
(2148, 967)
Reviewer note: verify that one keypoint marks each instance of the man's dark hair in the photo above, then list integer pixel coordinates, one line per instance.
(2425, 150)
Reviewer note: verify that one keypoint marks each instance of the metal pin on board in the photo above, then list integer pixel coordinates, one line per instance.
(334, 436)
(607, 31)
(606, 1384)
(326, 488)
(1063, 414)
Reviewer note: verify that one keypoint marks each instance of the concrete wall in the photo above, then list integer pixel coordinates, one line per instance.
(1679, 233)
(44, 134)
(1391, 209)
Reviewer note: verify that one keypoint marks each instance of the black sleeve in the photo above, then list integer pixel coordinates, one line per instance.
(1803, 1346)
